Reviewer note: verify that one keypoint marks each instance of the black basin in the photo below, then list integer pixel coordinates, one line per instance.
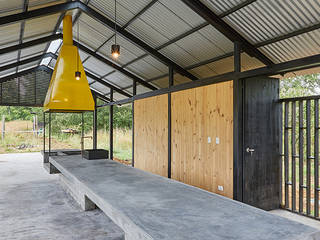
(91, 154)
(72, 152)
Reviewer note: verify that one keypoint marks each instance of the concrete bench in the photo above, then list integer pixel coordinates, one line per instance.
(147, 206)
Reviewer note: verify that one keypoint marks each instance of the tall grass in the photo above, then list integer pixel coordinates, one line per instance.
(27, 142)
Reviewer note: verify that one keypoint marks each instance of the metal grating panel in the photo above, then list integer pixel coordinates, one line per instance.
(10, 92)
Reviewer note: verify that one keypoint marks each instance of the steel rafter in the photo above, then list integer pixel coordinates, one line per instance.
(99, 17)
(226, 30)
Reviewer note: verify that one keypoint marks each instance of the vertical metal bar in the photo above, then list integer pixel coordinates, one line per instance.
(293, 159)
(134, 92)
(35, 87)
(111, 126)
(49, 133)
(238, 95)
(308, 156)
(95, 122)
(286, 154)
(301, 156)
(44, 137)
(82, 134)
(171, 82)
(316, 157)
(282, 154)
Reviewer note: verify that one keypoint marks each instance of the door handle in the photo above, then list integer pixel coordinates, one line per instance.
(250, 150)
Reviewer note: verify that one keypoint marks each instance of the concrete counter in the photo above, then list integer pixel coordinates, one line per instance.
(148, 206)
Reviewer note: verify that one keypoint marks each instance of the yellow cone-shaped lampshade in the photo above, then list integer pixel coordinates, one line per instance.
(65, 92)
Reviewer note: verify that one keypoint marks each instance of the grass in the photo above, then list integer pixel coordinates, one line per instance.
(27, 142)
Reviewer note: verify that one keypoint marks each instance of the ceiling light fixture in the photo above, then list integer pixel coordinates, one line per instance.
(115, 48)
(77, 74)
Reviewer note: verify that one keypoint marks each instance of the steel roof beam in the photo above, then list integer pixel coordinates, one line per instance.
(99, 17)
(280, 68)
(226, 30)
(115, 66)
(30, 43)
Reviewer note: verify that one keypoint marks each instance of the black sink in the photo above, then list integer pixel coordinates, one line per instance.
(72, 152)
(91, 154)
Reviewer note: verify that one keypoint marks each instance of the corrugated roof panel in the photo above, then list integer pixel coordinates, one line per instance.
(119, 79)
(8, 58)
(90, 80)
(203, 71)
(38, 26)
(9, 33)
(221, 6)
(300, 46)
(97, 67)
(33, 50)
(10, 7)
(144, 69)
(100, 87)
(83, 55)
(156, 63)
(125, 8)
(128, 51)
(35, 4)
(91, 32)
(179, 55)
(7, 72)
(222, 66)
(183, 12)
(205, 44)
(146, 33)
(141, 89)
(264, 19)
(27, 66)
(164, 21)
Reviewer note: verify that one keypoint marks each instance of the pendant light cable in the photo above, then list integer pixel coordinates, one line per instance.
(115, 21)
(78, 46)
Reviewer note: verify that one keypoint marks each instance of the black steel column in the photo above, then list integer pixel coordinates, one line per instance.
(111, 126)
(44, 137)
(171, 83)
(237, 127)
(293, 157)
(134, 92)
(95, 116)
(301, 165)
(49, 133)
(316, 158)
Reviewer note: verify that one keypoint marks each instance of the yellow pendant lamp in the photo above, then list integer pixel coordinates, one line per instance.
(68, 90)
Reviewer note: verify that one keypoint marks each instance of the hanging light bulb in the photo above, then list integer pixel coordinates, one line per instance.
(77, 74)
(115, 48)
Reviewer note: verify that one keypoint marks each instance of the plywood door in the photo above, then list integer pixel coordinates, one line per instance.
(151, 134)
(196, 115)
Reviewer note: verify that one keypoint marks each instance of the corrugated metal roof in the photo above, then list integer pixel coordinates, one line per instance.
(36, 27)
(27, 66)
(8, 58)
(128, 50)
(32, 50)
(91, 32)
(265, 19)
(101, 88)
(221, 6)
(296, 47)
(119, 79)
(97, 67)
(125, 9)
(10, 7)
(7, 72)
(9, 34)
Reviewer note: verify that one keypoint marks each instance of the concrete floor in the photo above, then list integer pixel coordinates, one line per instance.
(33, 205)
(298, 218)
